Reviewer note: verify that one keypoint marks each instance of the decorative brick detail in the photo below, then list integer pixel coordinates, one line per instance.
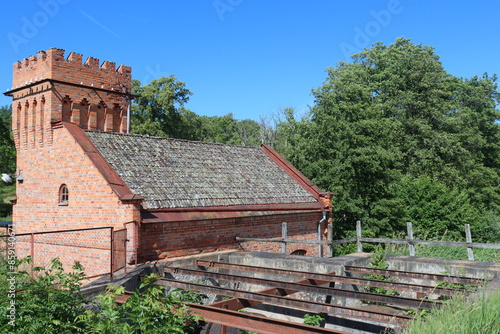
(81, 93)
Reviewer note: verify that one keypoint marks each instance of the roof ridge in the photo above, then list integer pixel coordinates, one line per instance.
(169, 139)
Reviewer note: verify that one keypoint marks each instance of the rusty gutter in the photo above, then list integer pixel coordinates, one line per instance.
(245, 207)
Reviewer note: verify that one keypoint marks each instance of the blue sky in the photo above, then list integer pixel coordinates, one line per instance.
(246, 57)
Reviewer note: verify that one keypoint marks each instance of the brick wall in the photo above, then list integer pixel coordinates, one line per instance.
(92, 202)
(161, 240)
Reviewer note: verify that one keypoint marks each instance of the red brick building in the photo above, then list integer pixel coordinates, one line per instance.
(80, 169)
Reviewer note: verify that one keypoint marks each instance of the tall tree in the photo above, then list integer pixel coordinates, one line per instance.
(391, 113)
(229, 130)
(159, 108)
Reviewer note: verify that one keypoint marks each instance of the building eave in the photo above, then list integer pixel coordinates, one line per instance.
(222, 212)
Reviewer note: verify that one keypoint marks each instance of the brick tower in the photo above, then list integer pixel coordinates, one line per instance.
(48, 89)
(49, 92)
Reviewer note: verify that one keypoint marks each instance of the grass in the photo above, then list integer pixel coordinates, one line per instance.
(461, 315)
(445, 252)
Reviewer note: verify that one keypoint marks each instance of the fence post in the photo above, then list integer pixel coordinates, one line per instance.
(410, 237)
(125, 249)
(32, 253)
(329, 236)
(358, 236)
(283, 235)
(112, 254)
(468, 238)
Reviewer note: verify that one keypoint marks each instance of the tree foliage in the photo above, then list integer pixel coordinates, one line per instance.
(159, 110)
(48, 303)
(7, 148)
(396, 137)
(7, 161)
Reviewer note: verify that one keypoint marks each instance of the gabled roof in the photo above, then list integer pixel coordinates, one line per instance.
(172, 173)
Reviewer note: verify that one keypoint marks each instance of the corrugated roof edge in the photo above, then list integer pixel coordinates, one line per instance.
(106, 170)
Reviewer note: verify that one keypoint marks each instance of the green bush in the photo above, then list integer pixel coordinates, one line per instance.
(47, 303)
(51, 302)
(144, 312)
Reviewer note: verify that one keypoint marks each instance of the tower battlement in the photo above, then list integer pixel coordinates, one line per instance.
(51, 64)
(49, 88)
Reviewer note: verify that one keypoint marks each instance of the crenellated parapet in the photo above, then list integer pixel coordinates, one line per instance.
(51, 64)
(49, 88)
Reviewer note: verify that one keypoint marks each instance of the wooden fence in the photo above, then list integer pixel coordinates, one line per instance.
(359, 239)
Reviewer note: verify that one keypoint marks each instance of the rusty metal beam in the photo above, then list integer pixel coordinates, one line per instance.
(312, 287)
(334, 278)
(247, 321)
(413, 275)
(259, 324)
(242, 299)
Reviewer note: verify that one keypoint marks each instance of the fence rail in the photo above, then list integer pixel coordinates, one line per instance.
(412, 242)
(359, 239)
(101, 250)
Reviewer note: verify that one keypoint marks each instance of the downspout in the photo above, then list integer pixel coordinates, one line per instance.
(320, 247)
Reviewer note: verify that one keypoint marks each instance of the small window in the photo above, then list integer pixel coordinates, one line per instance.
(63, 195)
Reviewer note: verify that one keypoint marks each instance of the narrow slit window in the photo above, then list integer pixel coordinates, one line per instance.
(63, 195)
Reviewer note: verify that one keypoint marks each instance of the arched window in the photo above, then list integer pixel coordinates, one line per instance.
(63, 195)
(299, 252)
